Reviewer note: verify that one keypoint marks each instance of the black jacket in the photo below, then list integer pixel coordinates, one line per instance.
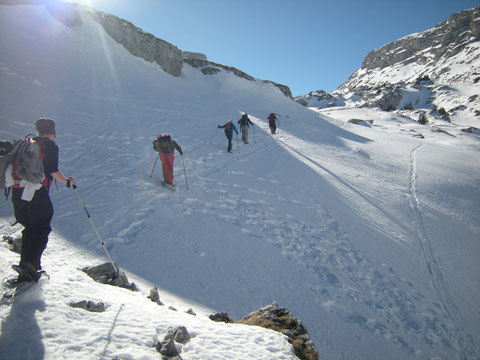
(244, 121)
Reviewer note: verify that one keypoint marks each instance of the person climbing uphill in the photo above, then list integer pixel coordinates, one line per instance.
(229, 128)
(244, 125)
(165, 147)
(272, 123)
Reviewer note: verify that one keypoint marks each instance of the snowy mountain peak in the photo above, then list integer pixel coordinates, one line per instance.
(443, 41)
(435, 71)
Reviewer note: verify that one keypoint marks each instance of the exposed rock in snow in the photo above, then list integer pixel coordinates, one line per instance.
(471, 130)
(167, 347)
(89, 306)
(222, 317)
(15, 243)
(106, 274)
(155, 297)
(191, 312)
(210, 68)
(193, 55)
(179, 335)
(279, 319)
(361, 122)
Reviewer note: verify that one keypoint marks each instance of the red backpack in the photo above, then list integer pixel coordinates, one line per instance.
(271, 118)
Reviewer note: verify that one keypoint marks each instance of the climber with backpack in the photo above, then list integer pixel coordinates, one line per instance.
(244, 125)
(30, 182)
(272, 123)
(229, 128)
(165, 147)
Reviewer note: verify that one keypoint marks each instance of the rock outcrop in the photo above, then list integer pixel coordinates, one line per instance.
(279, 319)
(444, 40)
(140, 43)
(107, 274)
(167, 348)
(211, 68)
(435, 71)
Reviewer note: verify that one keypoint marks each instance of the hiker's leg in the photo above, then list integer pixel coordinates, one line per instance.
(40, 212)
(229, 137)
(22, 216)
(168, 174)
(164, 166)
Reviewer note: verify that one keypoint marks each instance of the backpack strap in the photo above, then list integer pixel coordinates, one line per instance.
(47, 182)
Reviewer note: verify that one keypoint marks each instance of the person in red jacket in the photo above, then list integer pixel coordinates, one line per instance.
(272, 123)
(36, 214)
(165, 147)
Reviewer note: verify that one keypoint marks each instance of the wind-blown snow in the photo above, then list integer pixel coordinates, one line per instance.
(368, 234)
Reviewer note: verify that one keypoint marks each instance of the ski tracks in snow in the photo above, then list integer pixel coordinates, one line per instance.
(463, 343)
(379, 300)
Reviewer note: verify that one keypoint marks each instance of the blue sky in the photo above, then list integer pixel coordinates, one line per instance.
(304, 44)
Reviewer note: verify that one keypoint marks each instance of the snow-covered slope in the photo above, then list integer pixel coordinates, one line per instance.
(368, 234)
(41, 323)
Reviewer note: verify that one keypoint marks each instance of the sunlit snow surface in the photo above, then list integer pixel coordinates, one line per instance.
(367, 234)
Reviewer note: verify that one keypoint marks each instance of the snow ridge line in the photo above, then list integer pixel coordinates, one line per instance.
(464, 344)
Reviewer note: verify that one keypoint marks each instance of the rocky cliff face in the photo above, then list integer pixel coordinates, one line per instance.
(141, 44)
(445, 40)
(138, 42)
(132, 38)
(211, 68)
(437, 71)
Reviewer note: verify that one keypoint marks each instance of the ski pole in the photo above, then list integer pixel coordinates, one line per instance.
(185, 172)
(95, 229)
(214, 133)
(254, 138)
(155, 164)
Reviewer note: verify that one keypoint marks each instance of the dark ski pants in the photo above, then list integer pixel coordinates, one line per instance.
(273, 128)
(229, 138)
(35, 216)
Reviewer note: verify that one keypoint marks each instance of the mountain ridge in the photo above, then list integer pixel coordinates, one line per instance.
(436, 71)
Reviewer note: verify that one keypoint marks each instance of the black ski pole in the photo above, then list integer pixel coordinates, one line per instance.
(254, 138)
(214, 133)
(95, 229)
(156, 159)
(185, 172)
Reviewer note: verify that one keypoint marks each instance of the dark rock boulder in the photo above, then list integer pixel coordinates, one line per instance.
(106, 274)
(89, 306)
